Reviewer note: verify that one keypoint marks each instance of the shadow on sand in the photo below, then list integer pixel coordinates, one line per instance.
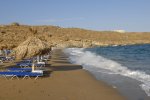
(65, 67)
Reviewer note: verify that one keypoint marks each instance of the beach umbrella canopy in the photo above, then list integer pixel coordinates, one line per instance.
(31, 47)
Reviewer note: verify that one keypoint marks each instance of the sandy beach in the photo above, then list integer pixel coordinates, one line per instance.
(66, 82)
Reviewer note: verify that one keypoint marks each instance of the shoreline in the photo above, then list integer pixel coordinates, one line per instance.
(114, 69)
(106, 92)
(66, 82)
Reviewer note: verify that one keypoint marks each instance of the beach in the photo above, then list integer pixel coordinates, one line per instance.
(66, 82)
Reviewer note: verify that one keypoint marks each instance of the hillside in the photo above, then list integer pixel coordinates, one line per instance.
(12, 35)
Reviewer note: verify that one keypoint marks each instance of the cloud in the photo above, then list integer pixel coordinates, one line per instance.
(60, 20)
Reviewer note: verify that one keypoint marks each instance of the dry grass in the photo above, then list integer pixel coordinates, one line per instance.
(12, 35)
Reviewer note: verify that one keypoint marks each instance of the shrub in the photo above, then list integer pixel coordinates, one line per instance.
(33, 31)
(15, 24)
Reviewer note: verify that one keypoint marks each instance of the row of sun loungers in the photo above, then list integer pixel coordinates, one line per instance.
(23, 70)
(20, 69)
(18, 74)
(3, 58)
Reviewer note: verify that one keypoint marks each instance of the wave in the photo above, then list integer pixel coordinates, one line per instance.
(91, 60)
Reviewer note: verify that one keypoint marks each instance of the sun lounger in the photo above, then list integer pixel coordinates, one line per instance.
(27, 65)
(1, 61)
(20, 69)
(24, 64)
(25, 70)
(3, 58)
(13, 74)
(9, 58)
(40, 65)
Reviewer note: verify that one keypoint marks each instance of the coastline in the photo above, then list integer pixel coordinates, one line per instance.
(66, 82)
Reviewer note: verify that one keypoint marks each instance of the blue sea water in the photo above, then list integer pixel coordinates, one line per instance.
(126, 68)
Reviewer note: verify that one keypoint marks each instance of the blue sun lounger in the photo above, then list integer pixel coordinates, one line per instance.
(40, 70)
(13, 74)
(20, 69)
(27, 65)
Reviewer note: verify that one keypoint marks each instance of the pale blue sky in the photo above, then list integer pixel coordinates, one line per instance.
(130, 15)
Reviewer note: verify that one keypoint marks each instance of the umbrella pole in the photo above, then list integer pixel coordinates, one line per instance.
(33, 67)
(38, 58)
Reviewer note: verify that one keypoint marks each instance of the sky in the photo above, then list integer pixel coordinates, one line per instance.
(103, 15)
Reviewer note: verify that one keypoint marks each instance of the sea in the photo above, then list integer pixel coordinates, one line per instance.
(125, 68)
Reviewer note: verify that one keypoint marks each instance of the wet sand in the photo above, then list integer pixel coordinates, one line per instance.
(66, 82)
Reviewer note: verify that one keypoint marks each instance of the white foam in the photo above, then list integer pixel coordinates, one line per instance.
(89, 59)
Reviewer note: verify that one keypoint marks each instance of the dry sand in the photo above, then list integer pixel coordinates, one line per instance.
(66, 82)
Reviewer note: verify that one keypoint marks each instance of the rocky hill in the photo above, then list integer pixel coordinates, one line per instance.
(14, 34)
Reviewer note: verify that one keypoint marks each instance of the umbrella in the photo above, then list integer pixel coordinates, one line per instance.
(33, 46)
